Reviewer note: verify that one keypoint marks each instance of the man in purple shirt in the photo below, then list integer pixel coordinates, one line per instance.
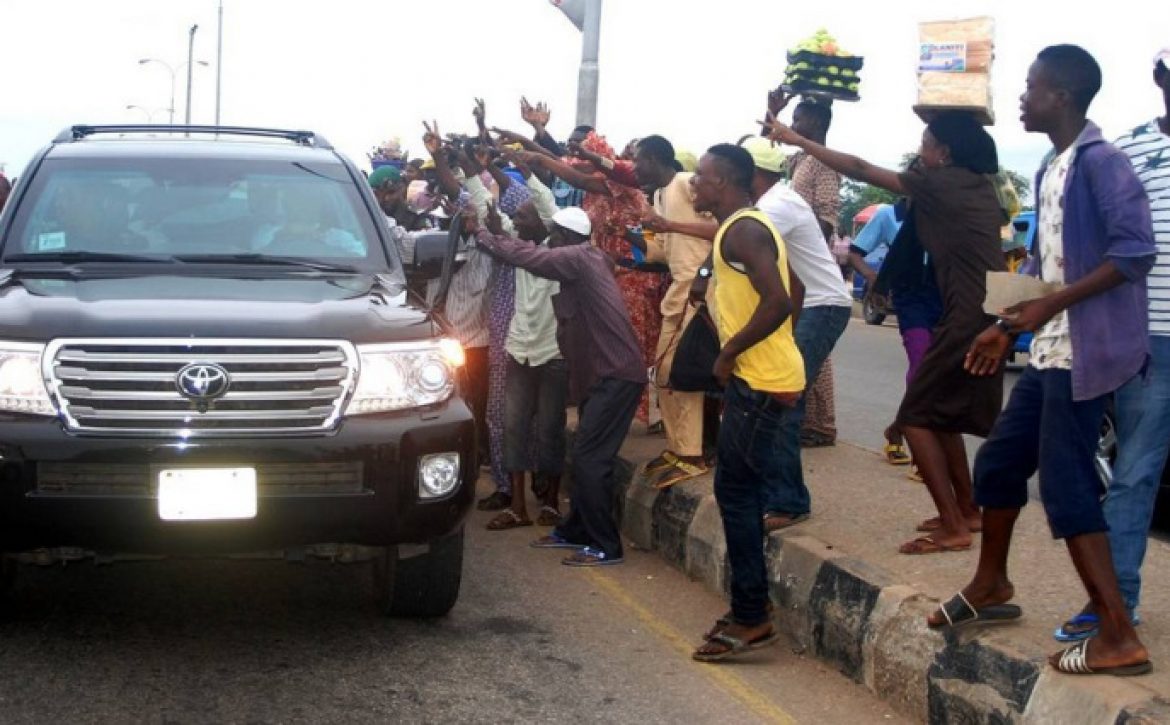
(1095, 238)
(606, 373)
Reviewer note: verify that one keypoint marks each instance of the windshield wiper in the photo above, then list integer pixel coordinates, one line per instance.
(268, 259)
(81, 257)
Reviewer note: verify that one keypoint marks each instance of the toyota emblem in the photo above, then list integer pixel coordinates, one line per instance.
(202, 381)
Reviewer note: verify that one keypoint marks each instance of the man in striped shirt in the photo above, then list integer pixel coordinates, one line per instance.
(1143, 405)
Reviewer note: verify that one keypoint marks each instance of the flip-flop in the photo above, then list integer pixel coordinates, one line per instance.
(679, 472)
(924, 545)
(665, 460)
(734, 645)
(549, 516)
(1075, 661)
(896, 454)
(1085, 618)
(914, 474)
(783, 521)
(728, 618)
(958, 613)
(507, 519)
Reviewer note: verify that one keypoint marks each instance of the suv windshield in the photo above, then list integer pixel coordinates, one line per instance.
(193, 207)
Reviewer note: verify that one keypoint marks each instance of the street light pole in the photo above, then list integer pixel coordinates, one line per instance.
(170, 70)
(149, 115)
(586, 15)
(190, 69)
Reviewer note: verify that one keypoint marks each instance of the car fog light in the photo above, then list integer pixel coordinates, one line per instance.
(438, 475)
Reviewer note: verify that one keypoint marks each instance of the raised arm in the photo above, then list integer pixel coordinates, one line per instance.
(852, 166)
(561, 263)
(434, 144)
(581, 180)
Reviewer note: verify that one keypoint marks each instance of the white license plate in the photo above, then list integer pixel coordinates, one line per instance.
(206, 494)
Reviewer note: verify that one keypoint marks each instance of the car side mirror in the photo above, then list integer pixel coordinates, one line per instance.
(430, 251)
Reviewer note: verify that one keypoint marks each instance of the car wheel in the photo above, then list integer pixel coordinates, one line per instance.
(872, 315)
(426, 585)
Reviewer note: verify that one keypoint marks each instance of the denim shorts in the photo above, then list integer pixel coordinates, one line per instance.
(1043, 428)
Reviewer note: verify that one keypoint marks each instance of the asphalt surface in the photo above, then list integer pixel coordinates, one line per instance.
(218, 640)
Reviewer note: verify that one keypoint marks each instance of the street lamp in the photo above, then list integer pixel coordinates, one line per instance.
(586, 15)
(173, 70)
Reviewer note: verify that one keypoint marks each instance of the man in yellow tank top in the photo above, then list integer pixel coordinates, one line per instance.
(763, 374)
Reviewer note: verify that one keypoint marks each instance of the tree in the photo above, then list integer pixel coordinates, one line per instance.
(855, 196)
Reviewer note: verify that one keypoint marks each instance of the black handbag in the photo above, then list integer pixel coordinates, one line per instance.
(693, 367)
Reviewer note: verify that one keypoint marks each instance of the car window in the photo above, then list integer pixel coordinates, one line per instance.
(195, 206)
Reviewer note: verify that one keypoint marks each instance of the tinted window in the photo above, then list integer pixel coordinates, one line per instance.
(193, 206)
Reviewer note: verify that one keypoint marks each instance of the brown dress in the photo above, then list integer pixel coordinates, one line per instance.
(957, 218)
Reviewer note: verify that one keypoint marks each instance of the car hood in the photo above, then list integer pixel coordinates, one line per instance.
(361, 309)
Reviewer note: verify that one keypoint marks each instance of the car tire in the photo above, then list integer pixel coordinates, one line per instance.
(872, 315)
(423, 586)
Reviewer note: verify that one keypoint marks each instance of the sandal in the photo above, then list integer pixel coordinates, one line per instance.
(896, 454)
(728, 618)
(507, 519)
(679, 472)
(958, 612)
(549, 516)
(664, 461)
(1075, 661)
(555, 541)
(733, 645)
(1085, 625)
(927, 545)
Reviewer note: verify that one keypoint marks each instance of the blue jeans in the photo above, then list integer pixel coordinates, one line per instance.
(748, 460)
(817, 332)
(1143, 440)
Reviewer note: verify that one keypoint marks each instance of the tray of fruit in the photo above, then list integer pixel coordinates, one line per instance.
(822, 49)
(820, 67)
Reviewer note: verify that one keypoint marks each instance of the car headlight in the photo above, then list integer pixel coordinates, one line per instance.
(403, 376)
(22, 386)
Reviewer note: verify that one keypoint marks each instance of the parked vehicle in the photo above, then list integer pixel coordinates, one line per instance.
(207, 345)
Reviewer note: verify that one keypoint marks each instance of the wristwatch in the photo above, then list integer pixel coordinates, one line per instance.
(704, 273)
(1004, 326)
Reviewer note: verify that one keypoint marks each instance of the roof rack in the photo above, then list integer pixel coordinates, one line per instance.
(304, 138)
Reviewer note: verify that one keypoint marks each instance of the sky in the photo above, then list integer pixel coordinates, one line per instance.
(362, 71)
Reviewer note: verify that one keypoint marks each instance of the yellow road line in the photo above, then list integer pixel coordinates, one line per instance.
(722, 677)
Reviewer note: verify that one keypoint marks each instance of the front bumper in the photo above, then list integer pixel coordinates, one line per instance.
(357, 484)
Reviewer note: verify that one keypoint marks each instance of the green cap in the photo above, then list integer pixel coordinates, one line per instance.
(383, 174)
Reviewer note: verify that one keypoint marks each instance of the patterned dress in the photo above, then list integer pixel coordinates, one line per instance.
(642, 292)
(820, 187)
(501, 307)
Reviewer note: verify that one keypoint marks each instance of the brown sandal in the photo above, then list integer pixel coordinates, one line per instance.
(927, 545)
(507, 519)
(549, 516)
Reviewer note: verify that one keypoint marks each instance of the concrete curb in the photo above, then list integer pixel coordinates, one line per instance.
(857, 618)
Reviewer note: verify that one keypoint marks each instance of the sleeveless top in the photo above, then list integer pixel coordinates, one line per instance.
(774, 364)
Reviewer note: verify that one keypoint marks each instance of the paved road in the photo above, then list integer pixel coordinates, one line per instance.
(267, 641)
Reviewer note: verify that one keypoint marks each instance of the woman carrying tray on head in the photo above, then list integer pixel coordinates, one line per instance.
(956, 215)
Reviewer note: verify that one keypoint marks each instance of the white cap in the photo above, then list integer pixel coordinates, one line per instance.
(1163, 57)
(574, 219)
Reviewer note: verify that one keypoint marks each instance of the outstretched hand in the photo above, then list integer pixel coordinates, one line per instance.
(538, 115)
(432, 139)
(778, 100)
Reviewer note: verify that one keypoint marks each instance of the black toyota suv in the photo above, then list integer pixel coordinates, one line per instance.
(207, 345)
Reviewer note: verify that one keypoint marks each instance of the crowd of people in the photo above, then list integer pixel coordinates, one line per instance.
(590, 269)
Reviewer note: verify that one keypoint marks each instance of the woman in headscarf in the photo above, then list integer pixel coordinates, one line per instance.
(501, 306)
(613, 208)
(955, 216)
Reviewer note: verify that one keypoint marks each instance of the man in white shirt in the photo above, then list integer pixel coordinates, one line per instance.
(824, 304)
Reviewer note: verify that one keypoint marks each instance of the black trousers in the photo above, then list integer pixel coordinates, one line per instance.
(604, 421)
